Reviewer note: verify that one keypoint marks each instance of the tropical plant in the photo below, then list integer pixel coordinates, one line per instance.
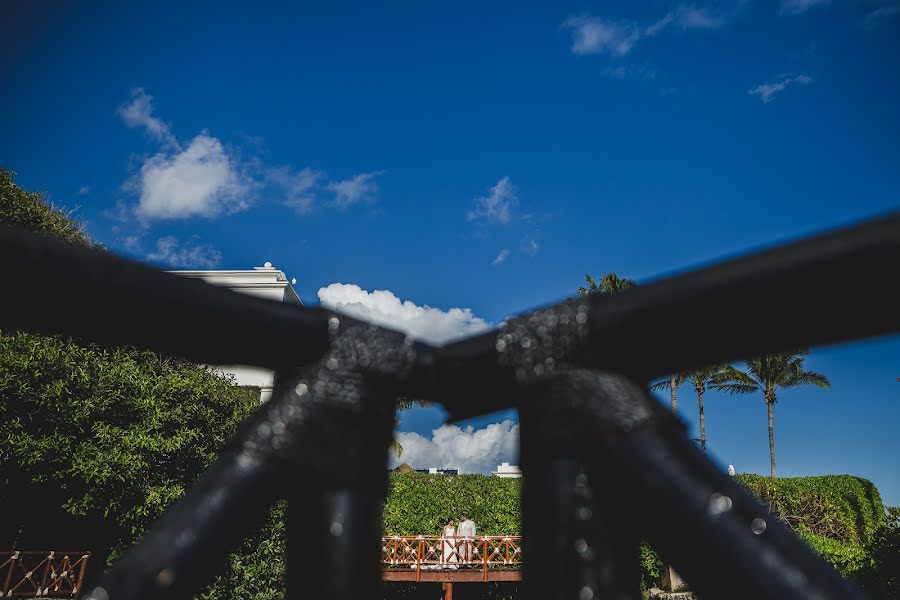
(767, 375)
(675, 381)
(608, 284)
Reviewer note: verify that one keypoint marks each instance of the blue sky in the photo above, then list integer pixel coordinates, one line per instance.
(482, 156)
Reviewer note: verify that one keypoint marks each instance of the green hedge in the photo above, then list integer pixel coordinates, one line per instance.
(841, 517)
(840, 507)
(420, 504)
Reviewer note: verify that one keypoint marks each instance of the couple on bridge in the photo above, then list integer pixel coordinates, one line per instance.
(454, 550)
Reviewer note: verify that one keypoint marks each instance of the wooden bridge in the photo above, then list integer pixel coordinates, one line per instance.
(42, 574)
(449, 560)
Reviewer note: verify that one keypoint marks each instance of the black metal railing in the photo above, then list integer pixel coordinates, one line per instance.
(604, 464)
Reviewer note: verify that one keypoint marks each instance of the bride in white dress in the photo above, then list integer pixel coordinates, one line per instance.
(448, 545)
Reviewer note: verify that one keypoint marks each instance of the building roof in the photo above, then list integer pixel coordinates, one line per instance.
(265, 281)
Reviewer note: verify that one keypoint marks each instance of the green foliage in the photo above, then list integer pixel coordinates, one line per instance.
(840, 507)
(97, 442)
(882, 579)
(256, 571)
(421, 504)
(842, 518)
(608, 284)
(32, 211)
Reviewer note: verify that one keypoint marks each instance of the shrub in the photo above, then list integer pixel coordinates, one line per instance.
(96, 442)
(839, 507)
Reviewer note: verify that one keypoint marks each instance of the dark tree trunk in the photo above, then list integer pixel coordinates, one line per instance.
(674, 397)
(700, 390)
(770, 405)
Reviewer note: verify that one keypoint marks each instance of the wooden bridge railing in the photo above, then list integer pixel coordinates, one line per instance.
(42, 574)
(438, 552)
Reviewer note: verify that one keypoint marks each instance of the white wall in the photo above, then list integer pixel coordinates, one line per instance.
(264, 282)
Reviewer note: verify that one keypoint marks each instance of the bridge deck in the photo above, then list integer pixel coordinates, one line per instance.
(451, 559)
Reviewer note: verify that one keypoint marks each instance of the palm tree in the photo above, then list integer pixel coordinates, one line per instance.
(673, 383)
(403, 403)
(702, 378)
(609, 284)
(768, 374)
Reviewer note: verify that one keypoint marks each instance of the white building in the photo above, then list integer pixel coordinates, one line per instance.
(265, 282)
(507, 470)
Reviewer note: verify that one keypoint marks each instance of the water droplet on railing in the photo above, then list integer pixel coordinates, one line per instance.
(719, 504)
(165, 578)
(757, 525)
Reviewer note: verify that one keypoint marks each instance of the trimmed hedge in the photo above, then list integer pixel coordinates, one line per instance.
(840, 507)
(420, 504)
(844, 520)
(840, 516)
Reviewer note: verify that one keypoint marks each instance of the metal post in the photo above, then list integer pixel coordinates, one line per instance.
(577, 542)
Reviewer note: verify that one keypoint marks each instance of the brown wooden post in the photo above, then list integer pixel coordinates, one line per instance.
(448, 590)
(12, 563)
(419, 562)
(80, 581)
(484, 558)
(44, 582)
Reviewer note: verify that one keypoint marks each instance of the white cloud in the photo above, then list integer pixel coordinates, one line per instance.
(497, 206)
(877, 16)
(207, 179)
(201, 180)
(684, 17)
(170, 252)
(469, 450)
(84, 190)
(358, 188)
(767, 91)
(530, 246)
(299, 189)
(384, 308)
(139, 113)
(593, 35)
(501, 258)
(796, 7)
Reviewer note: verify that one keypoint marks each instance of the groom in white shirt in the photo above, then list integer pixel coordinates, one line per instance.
(466, 529)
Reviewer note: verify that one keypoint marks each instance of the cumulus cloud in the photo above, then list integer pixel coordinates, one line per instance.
(796, 7)
(593, 35)
(469, 450)
(170, 252)
(767, 91)
(358, 188)
(201, 180)
(207, 179)
(384, 308)
(497, 206)
(139, 113)
(501, 258)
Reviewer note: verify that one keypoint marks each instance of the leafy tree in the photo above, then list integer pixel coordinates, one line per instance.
(609, 284)
(767, 375)
(95, 442)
